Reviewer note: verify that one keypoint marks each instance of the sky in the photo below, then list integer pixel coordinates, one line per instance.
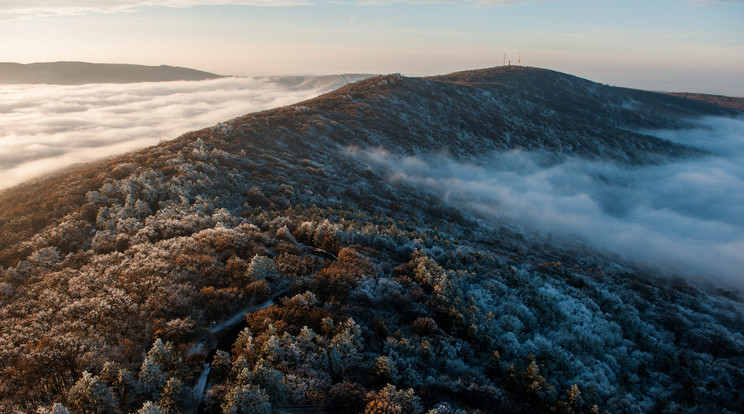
(671, 45)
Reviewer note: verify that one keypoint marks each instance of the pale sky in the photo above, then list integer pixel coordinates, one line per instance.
(678, 45)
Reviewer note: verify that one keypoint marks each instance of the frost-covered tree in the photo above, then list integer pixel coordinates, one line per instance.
(120, 379)
(175, 397)
(244, 344)
(344, 348)
(221, 365)
(152, 378)
(385, 370)
(165, 355)
(246, 399)
(444, 408)
(261, 268)
(390, 400)
(149, 408)
(270, 380)
(89, 395)
(58, 408)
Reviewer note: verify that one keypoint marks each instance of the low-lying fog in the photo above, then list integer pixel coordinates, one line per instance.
(46, 127)
(685, 217)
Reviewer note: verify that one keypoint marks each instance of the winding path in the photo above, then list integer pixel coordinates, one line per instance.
(201, 385)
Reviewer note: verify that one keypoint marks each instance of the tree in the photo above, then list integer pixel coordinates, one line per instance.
(89, 395)
(150, 408)
(165, 355)
(220, 367)
(390, 400)
(58, 408)
(174, 398)
(385, 370)
(343, 351)
(243, 345)
(120, 380)
(152, 378)
(530, 385)
(246, 399)
(444, 408)
(261, 268)
(425, 326)
(270, 380)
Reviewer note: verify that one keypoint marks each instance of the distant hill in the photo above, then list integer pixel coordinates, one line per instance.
(78, 73)
(324, 82)
(724, 101)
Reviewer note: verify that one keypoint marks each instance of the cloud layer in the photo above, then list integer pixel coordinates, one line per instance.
(23, 9)
(686, 218)
(44, 127)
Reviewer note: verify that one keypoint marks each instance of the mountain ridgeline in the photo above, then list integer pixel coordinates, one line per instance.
(383, 297)
(471, 113)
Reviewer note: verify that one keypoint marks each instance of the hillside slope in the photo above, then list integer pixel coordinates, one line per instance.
(388, 296)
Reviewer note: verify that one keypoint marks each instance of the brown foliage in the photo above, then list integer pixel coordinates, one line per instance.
(294, 265)
(258, 290)
(342, 275)
(425, 326)
(288, 317)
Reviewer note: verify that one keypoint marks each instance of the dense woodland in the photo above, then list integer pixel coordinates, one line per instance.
(360, 294)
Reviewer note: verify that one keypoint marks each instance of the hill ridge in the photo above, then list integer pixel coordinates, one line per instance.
(77, 73)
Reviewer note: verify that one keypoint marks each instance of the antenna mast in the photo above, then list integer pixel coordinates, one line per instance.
(519, 59)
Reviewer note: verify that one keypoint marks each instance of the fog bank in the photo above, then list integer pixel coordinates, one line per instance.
(46, 127)
(685, 218)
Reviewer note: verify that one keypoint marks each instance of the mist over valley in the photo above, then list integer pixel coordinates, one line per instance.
(47, 127)
(682, 217)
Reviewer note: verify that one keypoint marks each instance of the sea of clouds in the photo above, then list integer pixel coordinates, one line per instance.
(46, 127)
(685, 217)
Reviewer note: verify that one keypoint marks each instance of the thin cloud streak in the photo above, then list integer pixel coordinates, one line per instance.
(467, 3)
(683, 218)
(44, 128)
(16, 9)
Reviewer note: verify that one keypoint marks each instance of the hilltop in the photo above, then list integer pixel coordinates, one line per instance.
(77, 73)
(363, 290)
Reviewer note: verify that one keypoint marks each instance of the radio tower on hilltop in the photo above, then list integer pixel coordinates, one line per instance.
(519, 59)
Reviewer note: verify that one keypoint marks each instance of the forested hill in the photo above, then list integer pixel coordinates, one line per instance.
(724, 101)
(386, 297)
(78, 73)
(469, 113)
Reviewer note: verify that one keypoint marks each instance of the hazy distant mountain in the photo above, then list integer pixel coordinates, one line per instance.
(724, 101)
(75, 73)
(340, 231)
(323, 82)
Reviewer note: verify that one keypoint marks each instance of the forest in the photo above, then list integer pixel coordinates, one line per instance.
(354, 293)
